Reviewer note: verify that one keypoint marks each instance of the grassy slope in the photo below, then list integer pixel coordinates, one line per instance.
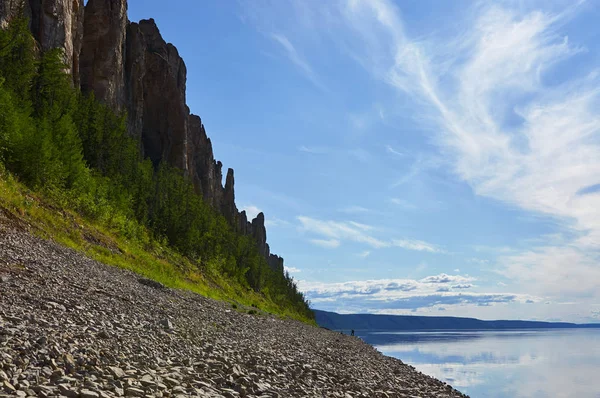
(152, 259)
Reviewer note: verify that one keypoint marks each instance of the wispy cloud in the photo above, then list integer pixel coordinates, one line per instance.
(313, 150)
(403, 203)
(326, 243)
(387, 295)
(352, 231)
(276, 222)
(364, 254)
(293, 270)
(355, 210)
(297, 59)
(336, 230)
(389, 149)
(445, 278)
(542, 162)
(417, 245)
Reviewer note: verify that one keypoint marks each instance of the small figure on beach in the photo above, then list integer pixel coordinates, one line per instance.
(352, 332)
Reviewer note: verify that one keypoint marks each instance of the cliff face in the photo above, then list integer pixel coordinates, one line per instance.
(204, 169)
(102, 55)
(130, 67)
(11, 8)
(54, 24)
(156, 87)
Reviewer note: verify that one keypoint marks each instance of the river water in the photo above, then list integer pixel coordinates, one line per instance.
(516, 363)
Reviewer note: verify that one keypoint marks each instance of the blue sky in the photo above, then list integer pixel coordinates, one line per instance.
(411, 157)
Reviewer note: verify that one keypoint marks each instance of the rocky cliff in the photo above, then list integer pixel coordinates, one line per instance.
(54, 24)
(131, 68)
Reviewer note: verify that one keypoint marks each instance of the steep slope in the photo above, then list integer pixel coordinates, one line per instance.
(130, 67)
(57, 338)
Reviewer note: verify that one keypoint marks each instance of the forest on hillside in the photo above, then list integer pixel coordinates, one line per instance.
(76, 152)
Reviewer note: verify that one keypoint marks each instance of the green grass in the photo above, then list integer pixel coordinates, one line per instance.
(103, 242)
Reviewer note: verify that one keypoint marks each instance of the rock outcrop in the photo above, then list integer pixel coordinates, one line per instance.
(54, 24)
(156, 87)
(228, 208)
(205, 171)
(59, 24)
(11, 8)
(130, 67)
(103, 53)
(259, 232)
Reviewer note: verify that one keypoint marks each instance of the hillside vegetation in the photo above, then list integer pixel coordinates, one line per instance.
(69, 170)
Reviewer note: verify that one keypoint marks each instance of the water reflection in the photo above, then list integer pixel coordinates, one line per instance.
(522, 363)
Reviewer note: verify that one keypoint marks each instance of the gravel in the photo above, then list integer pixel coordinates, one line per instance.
(73, 327)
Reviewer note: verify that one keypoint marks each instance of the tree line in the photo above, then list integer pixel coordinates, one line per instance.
(76, 151)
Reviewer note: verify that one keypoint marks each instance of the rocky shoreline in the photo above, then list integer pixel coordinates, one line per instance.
(73, 327)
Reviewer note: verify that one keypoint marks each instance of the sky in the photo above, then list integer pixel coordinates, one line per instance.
(410, 156)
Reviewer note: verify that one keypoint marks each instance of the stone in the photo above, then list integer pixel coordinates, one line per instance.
(8, 387)
(88, 394)
(166, 323)
(116, 372)
(134, 392)
(151, 283)
(66, 391)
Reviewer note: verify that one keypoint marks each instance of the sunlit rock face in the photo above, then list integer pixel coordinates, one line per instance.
(103, 52)
(131, 68)
(54, 24)
(11, 8)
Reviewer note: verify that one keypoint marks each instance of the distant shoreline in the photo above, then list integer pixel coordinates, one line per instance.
(375, 322)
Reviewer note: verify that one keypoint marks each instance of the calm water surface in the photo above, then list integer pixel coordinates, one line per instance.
(517, 363)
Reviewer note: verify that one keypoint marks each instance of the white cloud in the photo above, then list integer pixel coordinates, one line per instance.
(276, 222)
(556, 271)
(293, 270)
(336, 230)
(403, 203)
(468, 85)
(251, 211)
(355, 210)
(339, 231)
(297, 59)
(393, 151)
(389, 295)
(313, 150)
(417, 245)
(326, 243)
(364, 254)
(445, 278)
